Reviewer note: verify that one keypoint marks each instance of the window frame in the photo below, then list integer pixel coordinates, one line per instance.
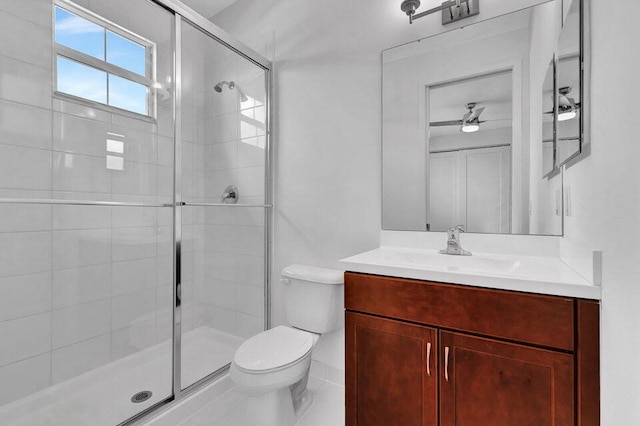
(68, 53)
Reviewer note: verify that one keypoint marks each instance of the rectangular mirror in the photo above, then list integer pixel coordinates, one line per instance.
(470, 123)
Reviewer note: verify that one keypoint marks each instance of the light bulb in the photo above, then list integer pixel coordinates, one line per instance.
(470, 127)
(567, 115)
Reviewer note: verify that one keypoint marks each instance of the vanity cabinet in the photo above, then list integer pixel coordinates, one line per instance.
(423, 353)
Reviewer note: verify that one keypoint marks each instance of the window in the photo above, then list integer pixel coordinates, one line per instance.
(99, 61)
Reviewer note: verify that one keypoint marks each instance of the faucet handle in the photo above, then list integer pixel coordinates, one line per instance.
(459, 228)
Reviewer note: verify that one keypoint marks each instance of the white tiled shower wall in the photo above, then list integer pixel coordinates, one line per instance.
(82, 285)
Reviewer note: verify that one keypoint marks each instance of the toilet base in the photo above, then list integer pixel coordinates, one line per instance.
(271, 409)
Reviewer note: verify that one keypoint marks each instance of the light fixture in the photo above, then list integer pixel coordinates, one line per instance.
(452, 10)
(566, 106)
(470, 127)
(567, 115)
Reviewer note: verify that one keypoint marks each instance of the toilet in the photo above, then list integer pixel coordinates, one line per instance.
(272, 367)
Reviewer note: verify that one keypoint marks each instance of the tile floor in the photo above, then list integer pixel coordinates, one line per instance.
(327, 408)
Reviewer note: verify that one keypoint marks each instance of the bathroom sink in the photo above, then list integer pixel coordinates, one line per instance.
(431, 259)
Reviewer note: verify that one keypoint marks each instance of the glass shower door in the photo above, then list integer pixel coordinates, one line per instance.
(224, 152)
(86, 200)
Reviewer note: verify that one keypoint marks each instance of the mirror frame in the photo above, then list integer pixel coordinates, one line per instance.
(583, 101)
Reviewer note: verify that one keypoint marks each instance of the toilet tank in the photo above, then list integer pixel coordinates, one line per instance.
(313, 297)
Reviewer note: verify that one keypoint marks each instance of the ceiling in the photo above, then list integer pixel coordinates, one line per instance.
(208, 8)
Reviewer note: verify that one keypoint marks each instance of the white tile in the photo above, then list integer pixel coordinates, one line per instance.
(80, 285)
(221, 266)
(133, 275)
(165, 120)
(81, 248)
(24, 295)
(222, 319)
(133, 308)
(221, 216)
(24, 378)
(164, 300)
(25, 253)
(223, 294)
(78, 135)
(335, 375)
(327, 409)
(25, 168)
(80, 173)
(165, 270)
(249, 325)
(25, 40)
(77, 323)
(80, 217)
(25, 337)
(136, 179)
(134, 243)
(24, 125)
(80, 110)
(73, 360)
(251, 181)
(165, 151)
(36, 11)
(222, 156)
(250, 300)
(251, 152)
(250, 240)
(189, 127)
(25, 217)
(217, 180)
(221, 238)
(125, 217)
(223, 128)
(250, 270)
(129, 340)
(139, 146)
(318, 370)
(25, 83)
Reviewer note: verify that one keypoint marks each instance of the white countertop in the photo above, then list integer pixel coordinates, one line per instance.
(532, 274)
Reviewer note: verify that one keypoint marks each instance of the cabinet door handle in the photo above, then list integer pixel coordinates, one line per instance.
(428, 358)
(446, 363)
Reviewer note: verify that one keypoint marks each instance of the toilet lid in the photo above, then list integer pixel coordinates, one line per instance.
(273, 349)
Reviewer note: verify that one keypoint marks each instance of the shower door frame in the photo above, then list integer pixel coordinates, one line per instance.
(183, 13)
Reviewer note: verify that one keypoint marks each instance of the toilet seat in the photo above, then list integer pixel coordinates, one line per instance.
(273, 350)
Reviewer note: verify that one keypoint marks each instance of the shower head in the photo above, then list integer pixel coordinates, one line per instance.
(218, 87)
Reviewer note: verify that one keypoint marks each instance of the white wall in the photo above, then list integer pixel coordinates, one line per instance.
(605, 191)
(327, 87)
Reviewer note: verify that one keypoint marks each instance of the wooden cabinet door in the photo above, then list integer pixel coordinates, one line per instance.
(490, 383)
(391, 373)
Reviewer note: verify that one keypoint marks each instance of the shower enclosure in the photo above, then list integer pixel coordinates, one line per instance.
(135, 204)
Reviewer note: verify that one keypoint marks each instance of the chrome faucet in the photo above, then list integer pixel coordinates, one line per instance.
(453, 242)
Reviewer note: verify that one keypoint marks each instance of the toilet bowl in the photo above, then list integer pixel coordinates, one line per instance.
(272, 367)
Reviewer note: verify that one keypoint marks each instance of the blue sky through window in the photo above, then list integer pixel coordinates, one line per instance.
(87, 81)
(79, 34)
(125, 53)
(127, 94)
(80, 80)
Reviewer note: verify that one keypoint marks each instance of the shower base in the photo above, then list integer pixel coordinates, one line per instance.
(103, 396)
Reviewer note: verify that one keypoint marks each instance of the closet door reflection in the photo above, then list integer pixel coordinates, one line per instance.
(223, 143)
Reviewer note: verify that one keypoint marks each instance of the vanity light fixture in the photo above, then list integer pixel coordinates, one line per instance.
(452, 10)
